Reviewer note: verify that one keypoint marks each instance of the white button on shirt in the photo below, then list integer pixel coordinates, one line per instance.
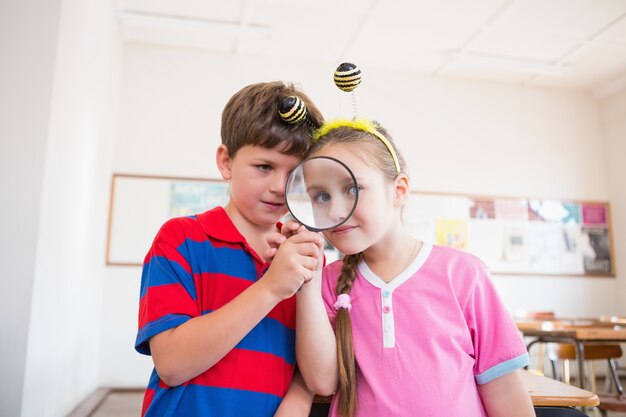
(387, 289)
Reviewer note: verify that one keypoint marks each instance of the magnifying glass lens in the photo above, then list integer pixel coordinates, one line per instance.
(321, 193)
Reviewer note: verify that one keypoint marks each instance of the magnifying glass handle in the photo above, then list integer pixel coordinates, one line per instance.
(295, 227)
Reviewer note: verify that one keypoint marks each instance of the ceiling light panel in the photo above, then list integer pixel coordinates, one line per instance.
(313, 34)
(592, 67)
(578, 19)
(528, 45)
(616, 33)
(228, 11)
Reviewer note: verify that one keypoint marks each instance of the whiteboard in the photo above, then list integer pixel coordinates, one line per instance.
(140, 205)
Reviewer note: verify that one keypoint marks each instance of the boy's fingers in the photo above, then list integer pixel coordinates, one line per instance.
(321, 241)
(290, 226)
(306, 263)
(305, 237)
(311, 264)
(309, 250)
(307, 274)
(275, 239)
(270, 253)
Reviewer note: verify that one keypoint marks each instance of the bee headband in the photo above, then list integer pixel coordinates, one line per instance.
(347, 77)
(292, 110)
(363, 125)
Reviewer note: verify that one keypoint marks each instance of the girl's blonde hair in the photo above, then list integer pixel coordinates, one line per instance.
(374, 151)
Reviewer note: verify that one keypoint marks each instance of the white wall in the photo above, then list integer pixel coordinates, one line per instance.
(458, 136)
(613, 113)
(64, 335)
(27, 54)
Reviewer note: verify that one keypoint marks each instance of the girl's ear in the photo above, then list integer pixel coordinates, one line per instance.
(401, 190)
(224, 162)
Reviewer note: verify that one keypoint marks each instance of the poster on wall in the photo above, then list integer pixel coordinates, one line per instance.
(511, 235)
(518, 235)
(192, 197)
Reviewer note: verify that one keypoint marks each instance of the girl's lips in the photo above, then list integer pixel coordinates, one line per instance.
(343, 229)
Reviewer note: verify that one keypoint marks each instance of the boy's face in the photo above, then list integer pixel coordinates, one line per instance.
(257, 178)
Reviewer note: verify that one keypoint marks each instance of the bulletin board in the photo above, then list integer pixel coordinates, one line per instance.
(518, 236)
(514, 236)
(140, 204)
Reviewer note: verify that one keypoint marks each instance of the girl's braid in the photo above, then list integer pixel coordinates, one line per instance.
(343, 333)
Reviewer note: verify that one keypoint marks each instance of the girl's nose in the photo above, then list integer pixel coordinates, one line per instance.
(338, 211)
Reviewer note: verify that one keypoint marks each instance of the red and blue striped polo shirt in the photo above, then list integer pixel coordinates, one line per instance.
(196, 265)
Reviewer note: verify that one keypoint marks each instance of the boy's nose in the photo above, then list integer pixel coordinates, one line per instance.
(279, 181)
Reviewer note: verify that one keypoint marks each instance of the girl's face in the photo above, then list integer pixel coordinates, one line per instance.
(378, 208)
(331, 191)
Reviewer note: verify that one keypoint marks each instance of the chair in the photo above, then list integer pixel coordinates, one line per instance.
(319, 410)
(558, 412)
(321, 406)
(612, 402)
(539, 316)
(567, 352)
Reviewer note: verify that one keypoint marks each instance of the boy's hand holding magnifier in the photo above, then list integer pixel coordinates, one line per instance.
(295, 254)
(321, 194)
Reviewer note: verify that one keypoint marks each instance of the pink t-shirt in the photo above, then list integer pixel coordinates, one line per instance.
(425, 340)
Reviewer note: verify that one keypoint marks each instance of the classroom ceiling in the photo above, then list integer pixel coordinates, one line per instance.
(564, 44)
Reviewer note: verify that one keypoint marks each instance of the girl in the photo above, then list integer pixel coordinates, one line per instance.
(419, 329)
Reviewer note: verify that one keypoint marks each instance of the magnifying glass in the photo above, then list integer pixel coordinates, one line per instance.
(321, 193)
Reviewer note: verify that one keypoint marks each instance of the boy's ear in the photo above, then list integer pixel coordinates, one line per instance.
(402, 190)
(224, 162)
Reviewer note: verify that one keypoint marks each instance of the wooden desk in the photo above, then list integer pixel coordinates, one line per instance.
(543, 391)
(613, 319)
(559, 331)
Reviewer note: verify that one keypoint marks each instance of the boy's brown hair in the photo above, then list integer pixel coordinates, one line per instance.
(251, 117)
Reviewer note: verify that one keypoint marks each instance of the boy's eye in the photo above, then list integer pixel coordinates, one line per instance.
(264, 167)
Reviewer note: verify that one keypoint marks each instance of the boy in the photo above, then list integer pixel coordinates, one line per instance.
(218, 323)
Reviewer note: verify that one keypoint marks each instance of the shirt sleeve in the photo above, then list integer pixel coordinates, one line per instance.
(498, 345)
(168, 294)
